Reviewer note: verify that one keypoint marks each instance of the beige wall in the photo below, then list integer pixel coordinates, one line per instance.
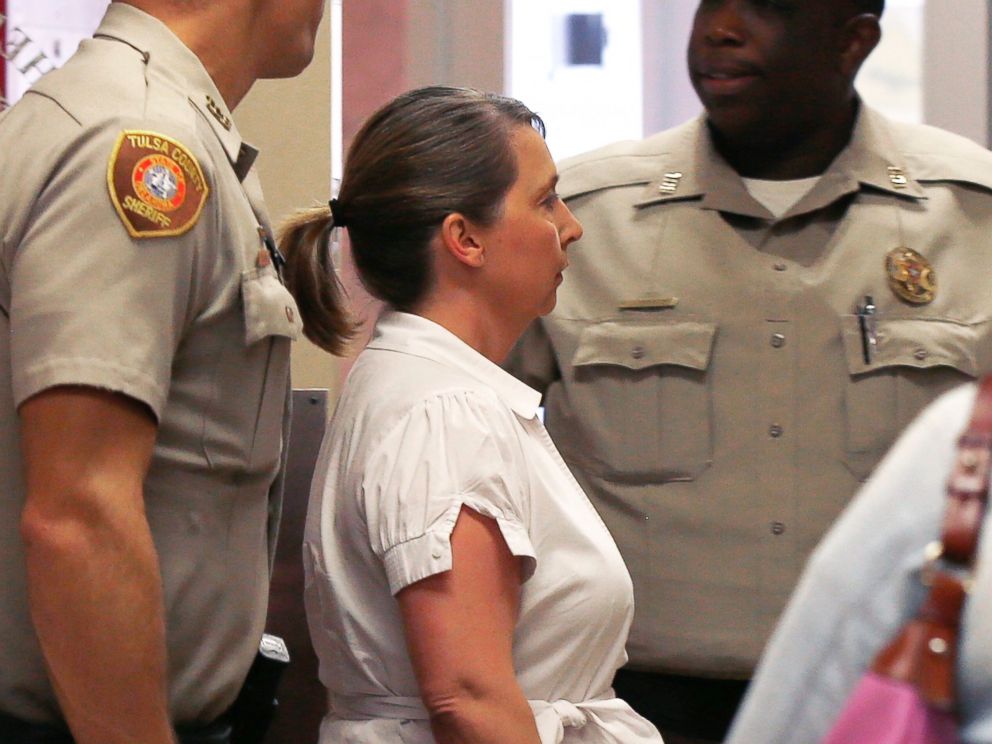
(956, 69)
(290, 122)
(457, 42)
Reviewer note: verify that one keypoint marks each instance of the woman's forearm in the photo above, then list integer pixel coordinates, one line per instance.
(491, 718)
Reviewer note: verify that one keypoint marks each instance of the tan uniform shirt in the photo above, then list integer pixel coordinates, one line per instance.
(704, 369)
(196, 326)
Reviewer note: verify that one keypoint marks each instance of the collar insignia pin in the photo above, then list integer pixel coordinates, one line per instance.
(897, 177)
(218, 113)
(911, 277)
(670, 183)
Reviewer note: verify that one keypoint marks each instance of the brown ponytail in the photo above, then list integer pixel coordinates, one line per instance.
(310, 276)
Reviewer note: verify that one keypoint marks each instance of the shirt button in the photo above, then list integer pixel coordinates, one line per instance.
(921, 354)
(778, 528)
(637, 352)
(436, 554)
(290, 315)
(778, 340)
(780, 267)
(775, 431)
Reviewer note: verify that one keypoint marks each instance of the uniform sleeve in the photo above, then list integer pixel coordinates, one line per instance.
(860, 585)
(532, 360)
(452, 451)
(90, 305)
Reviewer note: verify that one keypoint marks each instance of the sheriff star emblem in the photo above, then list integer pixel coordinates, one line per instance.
(911, 276)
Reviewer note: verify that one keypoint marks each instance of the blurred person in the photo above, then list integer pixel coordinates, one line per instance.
(863, 583)
(460, 586)
(145, 367)
(762, 299)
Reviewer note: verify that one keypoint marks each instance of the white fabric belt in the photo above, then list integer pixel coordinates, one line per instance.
(552, 717)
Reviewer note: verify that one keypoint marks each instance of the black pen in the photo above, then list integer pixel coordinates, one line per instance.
(278, 260)
(866, 321)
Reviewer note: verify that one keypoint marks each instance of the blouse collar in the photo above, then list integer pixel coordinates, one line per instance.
(417, 336)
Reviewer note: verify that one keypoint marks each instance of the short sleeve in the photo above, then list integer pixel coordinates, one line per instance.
(91, 305)
(454, 450)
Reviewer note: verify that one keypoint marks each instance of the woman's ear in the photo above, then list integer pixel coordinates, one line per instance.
(461, 239)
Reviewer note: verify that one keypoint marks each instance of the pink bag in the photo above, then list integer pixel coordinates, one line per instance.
(888, 711)
(908, 696)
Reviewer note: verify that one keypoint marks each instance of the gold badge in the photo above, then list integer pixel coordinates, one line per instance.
(911, 276)
(156, 185)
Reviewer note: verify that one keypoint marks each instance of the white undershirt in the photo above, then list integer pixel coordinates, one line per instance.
(778, 197)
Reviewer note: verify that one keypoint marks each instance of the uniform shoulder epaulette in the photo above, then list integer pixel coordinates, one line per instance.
(936, 155)
(621, 164)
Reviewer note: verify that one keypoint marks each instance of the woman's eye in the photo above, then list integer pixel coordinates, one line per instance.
(551, 200)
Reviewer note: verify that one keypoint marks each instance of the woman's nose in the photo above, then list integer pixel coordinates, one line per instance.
(570, 229)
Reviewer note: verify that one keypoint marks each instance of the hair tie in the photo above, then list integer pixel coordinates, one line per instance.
(337, 213)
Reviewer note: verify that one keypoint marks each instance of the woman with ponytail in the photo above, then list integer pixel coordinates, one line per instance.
(460, 586)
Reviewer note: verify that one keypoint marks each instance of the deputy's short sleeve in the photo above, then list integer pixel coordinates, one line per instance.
(454, 450)
(92, 305)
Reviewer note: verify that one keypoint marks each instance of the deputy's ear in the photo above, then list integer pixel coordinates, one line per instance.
(461, 239)
(861, 35)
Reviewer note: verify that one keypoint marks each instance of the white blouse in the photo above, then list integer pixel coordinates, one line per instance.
(424, 427)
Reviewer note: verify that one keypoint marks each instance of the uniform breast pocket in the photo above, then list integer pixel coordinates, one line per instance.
(271, 321)
(270, 309)
(915, 360)
(644, 393)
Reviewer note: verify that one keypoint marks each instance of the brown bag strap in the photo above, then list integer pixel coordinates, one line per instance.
(968, 486)
(924, 652)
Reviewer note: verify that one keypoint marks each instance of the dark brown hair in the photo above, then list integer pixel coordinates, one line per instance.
(426, 154)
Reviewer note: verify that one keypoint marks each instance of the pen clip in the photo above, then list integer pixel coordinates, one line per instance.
(866, 322)
(278, 260)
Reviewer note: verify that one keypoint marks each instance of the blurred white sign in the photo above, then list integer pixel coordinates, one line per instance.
(578, 64)
(40, 36)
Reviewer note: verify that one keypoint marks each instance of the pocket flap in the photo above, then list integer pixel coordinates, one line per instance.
(682, 343)
(270, 309)
(912, 342)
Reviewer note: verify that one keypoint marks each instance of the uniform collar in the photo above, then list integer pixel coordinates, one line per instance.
(695, 170)
(872, 159)
(166, 54)
(411, 334)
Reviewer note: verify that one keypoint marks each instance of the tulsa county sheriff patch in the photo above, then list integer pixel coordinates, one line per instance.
(156, 185)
